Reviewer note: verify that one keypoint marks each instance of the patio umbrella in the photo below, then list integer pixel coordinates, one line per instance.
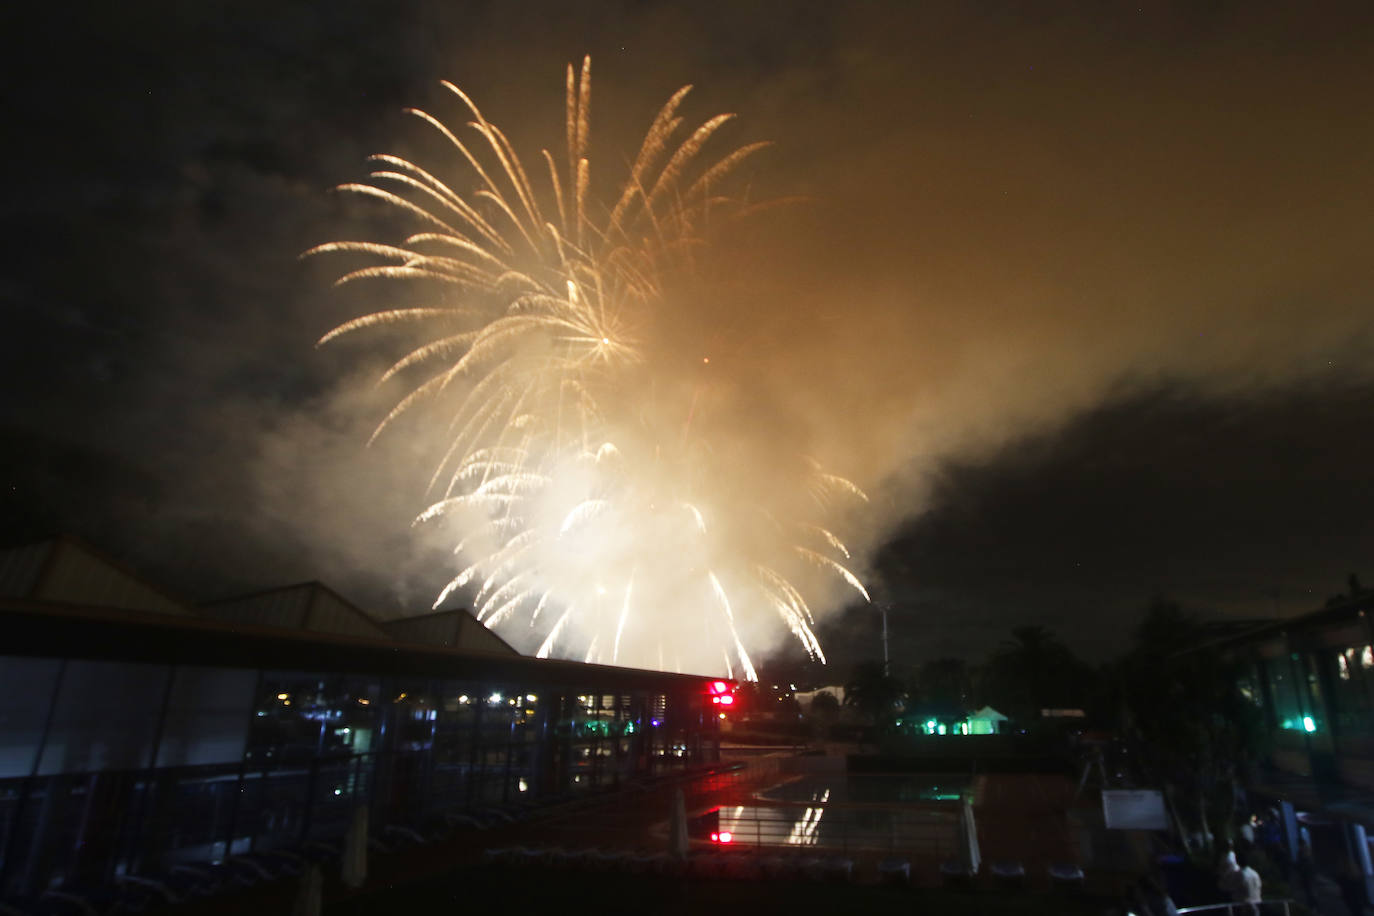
(969, 856)
(677, 826)
(355, 849)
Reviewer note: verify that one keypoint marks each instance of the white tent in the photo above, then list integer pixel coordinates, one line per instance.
(986, 721)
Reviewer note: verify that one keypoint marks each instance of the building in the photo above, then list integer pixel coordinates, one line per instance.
(139, 732)
(1313, 677)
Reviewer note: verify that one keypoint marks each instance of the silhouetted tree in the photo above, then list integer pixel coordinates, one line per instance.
(947, 682)
(825, 704)
(1190, 730)
(876, 695)
(1034, 671)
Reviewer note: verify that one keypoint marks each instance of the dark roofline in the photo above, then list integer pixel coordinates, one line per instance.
(61, 539)
(462, 616)
(1310, 620)
(49, 629)
(309, 583)
(409, 617)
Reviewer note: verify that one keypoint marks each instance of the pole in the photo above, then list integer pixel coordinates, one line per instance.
(883, 608)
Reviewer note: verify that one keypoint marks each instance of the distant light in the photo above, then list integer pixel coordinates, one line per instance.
(494, 698)
(338, 791)
(524, 786)
(463, 698)
(283, 696)
(655, 723)
(1308, 724)
(531, 697)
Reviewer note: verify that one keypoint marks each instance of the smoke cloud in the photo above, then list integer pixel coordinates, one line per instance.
(1008, 219)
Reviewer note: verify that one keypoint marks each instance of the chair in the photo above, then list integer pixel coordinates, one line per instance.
(894, 870)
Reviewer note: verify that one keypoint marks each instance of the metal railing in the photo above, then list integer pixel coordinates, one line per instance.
(1264, 908)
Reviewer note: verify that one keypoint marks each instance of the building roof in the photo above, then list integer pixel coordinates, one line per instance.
(61, 598)
(1335, 614)
(304, 606)
(28, 628)
(64, 570)
(455, 629)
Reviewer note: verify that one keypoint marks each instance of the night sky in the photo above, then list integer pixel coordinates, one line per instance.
(1081, 294)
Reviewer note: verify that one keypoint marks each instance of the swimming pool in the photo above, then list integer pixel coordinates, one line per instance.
(909, 812)
(872, 788)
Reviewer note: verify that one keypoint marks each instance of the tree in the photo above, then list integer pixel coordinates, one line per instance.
(825, 705)
(1189, 729)
(875, 694)
(1034, 671)
(946, 682)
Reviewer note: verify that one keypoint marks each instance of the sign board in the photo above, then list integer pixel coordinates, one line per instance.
(1134, 809)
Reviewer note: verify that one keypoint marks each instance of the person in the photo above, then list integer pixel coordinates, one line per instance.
(1249, 885)
(1240, 882)
(1247, 834)
(1229, 878)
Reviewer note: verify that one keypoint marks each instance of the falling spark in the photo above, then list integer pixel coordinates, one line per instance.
(577, 463)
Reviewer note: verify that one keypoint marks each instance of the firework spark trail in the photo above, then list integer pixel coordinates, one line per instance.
(577, 459)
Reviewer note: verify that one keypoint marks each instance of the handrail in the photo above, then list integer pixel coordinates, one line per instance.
(1265, 906)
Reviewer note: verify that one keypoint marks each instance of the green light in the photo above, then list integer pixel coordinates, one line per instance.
(1308, 725)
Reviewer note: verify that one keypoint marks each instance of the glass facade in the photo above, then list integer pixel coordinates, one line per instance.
(110, 768)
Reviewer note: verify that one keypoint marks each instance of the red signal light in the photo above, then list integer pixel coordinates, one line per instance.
(726, 700)
(715, 700)
(726, 836)
(719, 687)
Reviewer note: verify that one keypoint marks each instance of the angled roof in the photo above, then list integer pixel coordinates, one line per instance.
(455, 629)
(64, 570)
(305, 606)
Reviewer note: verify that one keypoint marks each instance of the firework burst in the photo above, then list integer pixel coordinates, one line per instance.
(596, 493)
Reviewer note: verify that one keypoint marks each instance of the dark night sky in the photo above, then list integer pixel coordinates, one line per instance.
(1082, 293)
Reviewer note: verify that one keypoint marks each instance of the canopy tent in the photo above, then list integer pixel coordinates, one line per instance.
(986, 721)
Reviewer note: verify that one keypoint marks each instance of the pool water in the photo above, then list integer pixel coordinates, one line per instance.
(872, 788)
(909, 812)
